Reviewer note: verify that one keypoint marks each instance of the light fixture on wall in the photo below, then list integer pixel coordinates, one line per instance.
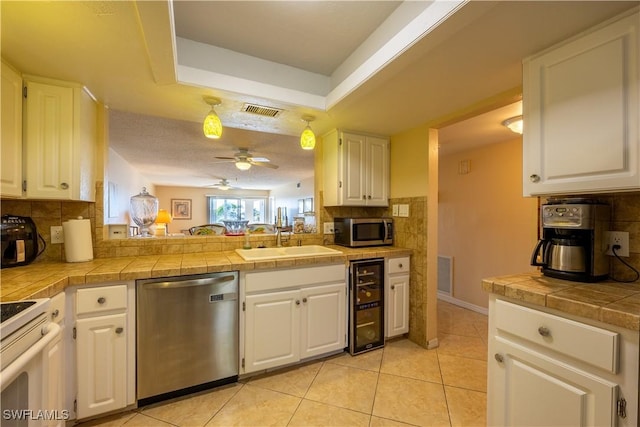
(212, 126)
(243, 164)
(307, 138)
(162, 220)
(514, 124)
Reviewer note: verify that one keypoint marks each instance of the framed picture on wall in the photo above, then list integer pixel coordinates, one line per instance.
(181, 208)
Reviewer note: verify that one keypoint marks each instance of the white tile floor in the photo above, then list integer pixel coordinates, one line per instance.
(401, 384)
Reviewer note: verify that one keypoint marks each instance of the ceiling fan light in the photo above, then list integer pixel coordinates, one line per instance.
(515, 124)
(243, 165)
(307, 139)
(212, 126)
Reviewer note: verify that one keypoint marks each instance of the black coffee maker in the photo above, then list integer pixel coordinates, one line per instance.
(19, 241)
(573, 245)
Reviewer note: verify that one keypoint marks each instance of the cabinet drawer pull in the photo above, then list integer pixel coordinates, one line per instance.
(304, 299)
(55, 313)
(102, 300)
(534, 178)
(545, 332)
(64, 186)
(499, 357)
(297, 302)
(119, 330)
(400, 265)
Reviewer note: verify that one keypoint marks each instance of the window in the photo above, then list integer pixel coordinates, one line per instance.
(254, 209)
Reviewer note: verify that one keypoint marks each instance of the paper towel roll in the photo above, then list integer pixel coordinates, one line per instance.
(77, 240)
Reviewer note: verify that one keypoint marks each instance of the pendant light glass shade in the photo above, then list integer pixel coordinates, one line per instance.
(243, 165)
(307, 138)
(212, 126)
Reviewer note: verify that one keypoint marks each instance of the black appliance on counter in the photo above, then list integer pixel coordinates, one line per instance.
(366, 305)
(19, 241)
(573, 245)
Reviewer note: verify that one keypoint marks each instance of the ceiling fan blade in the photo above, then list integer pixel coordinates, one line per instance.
(259, 159)
(265, 164)
(225, 158)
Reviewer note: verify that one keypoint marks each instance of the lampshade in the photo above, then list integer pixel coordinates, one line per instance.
(212, 126)
(163, 217)
(514, 124)
(243, 165)
(307, 138)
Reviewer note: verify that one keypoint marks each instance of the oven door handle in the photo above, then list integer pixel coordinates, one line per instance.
(13, 370)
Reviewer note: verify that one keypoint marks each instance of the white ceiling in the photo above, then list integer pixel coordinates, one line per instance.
(380, 67)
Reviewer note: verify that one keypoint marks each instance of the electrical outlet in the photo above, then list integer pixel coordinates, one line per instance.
(56, 234)
(620, 238)
(328, 228)
(394, 210)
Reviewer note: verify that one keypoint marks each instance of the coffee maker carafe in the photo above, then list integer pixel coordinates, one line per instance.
(573, 242)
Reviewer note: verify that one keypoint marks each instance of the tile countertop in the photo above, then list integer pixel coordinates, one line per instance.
(609, 302)
(45, 280)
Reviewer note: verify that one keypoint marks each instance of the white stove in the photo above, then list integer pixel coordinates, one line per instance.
(22, 324)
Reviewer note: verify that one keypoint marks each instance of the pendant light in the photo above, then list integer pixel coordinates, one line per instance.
(514, 124)
(307, 138)
(212, 126)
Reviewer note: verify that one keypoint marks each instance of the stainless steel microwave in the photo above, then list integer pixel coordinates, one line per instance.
(358, 232)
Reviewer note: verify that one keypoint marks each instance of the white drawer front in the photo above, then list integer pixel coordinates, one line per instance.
(596, 346)
(104, 298)
(57, 308)
(398, 265)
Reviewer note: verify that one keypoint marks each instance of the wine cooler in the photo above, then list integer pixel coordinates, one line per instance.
(366, 302)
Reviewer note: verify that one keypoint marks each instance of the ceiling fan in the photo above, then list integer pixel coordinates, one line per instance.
(224, 184)
(244, 159)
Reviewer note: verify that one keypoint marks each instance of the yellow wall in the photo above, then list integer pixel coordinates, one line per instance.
(409, 163)
(484, 222)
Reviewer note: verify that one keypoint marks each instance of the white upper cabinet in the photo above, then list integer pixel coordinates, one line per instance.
(11, 127)
(580, 107)
(60, 133)
(356, 169)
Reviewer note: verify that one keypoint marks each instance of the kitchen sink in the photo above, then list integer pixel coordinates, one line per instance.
(287, 252)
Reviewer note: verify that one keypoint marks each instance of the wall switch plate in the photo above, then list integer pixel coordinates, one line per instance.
(620, 238)
(57, 235)
(403, 210)
(394, 210)
(328, 228)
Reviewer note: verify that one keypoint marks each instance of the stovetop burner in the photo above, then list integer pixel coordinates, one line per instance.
(10, 309)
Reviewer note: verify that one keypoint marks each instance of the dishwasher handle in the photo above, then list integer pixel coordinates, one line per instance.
(190, 283)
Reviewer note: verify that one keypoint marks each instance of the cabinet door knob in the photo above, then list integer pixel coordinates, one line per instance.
(119, 330)
(364, 197)
(369, 196)
(297, 302)
(64, 186)
(545, 332)
(499, 357)
(393, 287)
(304, 299)
(102, 300)
(534, 178)
(55, 313)
(400, 265)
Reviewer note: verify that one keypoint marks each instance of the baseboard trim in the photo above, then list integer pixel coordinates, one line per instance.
(455, 301)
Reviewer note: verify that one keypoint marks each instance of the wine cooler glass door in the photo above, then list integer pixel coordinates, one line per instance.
(366, 326)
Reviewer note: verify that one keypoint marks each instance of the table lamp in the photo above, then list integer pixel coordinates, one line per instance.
(162, 220)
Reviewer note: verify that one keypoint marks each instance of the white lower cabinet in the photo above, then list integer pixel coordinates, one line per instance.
(547, 370)
(396, 290)
(290, 315)
(104, 322)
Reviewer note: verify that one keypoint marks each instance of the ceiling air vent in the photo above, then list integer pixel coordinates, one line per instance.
(261, 110)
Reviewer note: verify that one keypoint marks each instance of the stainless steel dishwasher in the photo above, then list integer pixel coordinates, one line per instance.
(187, 334)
